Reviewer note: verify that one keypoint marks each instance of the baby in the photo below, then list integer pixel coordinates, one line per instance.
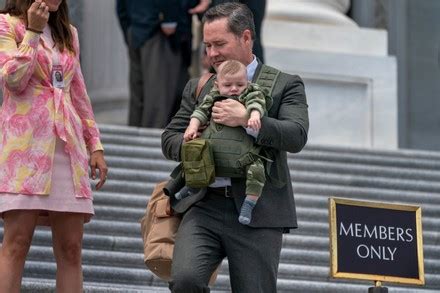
(232, 82)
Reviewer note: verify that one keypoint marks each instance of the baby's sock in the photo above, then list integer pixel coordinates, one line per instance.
(246, 211)
(184, 192)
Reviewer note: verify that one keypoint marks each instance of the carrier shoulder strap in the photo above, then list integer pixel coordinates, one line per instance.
(202, 82)
(267, 78)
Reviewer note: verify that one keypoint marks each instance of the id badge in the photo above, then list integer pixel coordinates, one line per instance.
(57, 76)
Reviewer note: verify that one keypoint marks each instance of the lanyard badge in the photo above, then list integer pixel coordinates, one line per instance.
(57, 76)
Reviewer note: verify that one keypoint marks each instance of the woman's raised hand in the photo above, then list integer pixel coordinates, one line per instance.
(38, 15)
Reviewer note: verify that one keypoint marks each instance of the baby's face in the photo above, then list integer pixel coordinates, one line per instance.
(232, 84)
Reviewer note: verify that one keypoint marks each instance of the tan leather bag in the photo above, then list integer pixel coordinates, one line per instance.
(159, 227)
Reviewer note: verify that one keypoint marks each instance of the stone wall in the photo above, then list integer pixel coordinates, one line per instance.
(350, 80)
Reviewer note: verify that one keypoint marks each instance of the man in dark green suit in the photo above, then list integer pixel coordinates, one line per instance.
(210, 230)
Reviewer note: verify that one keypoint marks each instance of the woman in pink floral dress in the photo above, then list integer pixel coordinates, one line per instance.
(48, 139)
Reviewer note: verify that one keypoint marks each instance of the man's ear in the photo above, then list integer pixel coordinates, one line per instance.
(247, 36)
(216, 83)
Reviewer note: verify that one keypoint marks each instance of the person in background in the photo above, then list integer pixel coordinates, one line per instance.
(49, 139)
(158, 37)
(210, 230)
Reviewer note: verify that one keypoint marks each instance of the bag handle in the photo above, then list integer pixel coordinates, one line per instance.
(202, 82)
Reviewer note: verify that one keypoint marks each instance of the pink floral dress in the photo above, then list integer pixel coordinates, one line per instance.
(46, 131)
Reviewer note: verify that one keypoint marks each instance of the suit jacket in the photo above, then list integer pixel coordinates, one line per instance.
(283, 130)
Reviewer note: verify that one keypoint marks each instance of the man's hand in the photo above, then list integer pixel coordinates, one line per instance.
(230, 112)
(168, 31)
(200, 8)
(97, 162)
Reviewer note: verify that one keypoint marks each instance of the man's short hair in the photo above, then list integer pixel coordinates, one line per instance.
(231, 67)
(240, 17)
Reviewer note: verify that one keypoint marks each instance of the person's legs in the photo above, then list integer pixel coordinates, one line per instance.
(258, 8)
(161, 68)
(198, 249)
(136, 88)
(253, 255)
(19, 226)
(67, 234)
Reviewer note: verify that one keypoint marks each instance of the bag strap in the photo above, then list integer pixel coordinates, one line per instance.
(267, 78)
(202, 82)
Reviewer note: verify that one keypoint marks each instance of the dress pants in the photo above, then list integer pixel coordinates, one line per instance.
(258, 8)
(158, 75)
(209, 232)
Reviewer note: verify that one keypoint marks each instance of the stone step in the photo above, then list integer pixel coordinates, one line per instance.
(318, 203)
(299, 164)
(370, 159)
(134, 151)
(130, 131)
(296, 247)
(296, 165)
(308, 184)
(150, 151)
(403, 153)
(118, 139)
(367, 193)
(321, 201)
(140, 163)
(357, 180)
(141, 277)
(39, 285)
(108, 198)
(289, 256)
(364, 181)
(308, 216)
(134, 132)
(112, 245)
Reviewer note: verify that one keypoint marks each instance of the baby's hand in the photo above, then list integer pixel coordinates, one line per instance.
(190, 134)
(254, 121)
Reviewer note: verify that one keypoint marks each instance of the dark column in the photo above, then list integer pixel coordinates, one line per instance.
(414, 38)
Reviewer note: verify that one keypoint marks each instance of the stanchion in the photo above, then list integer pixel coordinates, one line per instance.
(378, 288)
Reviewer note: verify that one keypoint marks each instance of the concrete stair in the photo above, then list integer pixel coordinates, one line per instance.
(112, 255)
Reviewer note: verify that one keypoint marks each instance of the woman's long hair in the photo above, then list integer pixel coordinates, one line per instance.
(58, 21)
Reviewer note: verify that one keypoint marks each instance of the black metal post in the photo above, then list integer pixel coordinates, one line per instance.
(379, 289)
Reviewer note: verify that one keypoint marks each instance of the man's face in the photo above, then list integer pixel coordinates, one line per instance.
(222, 45)
(232, 84)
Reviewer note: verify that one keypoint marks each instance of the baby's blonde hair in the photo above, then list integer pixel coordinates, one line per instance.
(230, 67)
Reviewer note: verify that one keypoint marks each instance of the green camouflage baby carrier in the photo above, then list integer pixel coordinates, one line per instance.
(233, 149)
(198, 163)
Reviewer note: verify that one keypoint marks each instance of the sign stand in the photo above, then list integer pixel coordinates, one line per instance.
(378, 288)
(376, 241)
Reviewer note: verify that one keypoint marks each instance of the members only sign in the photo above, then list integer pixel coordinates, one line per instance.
(376, 241)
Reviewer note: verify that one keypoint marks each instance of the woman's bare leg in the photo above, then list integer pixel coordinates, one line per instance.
(67, 234)
(19, 226)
